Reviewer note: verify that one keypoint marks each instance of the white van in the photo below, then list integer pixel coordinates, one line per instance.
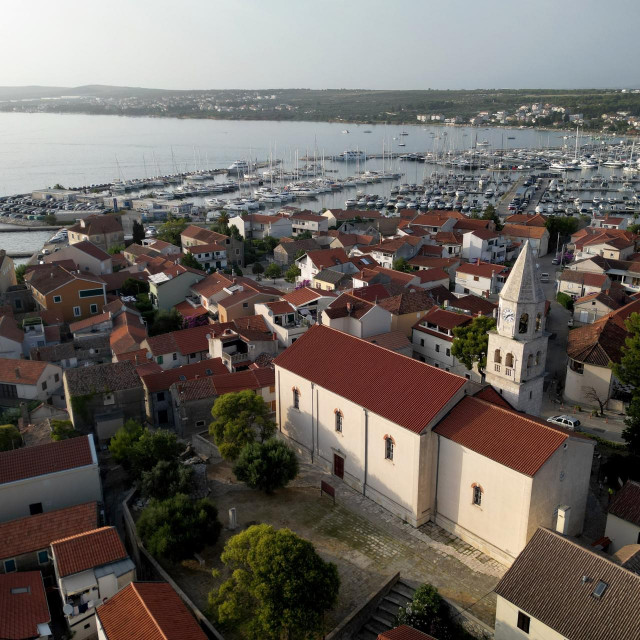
(544, 277)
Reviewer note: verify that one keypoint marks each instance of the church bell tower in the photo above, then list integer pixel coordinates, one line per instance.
(517, 349)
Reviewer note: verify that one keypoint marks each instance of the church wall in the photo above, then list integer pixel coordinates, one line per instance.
(498, 526)
(577, 384)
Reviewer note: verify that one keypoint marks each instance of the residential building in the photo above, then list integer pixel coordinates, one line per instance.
(258, 225)
(71, 295)
(517, 349)
(527, 219)
(146, 610)
(610, 222)
(79, 353)
(331, 280)
(178, 348)
(482, 279)
(578, 284)
(283, 320)
(286, 253)
(623, 517)
(538, 237)
(591, 307)
(423, 448)
(104, 231)
(11, 338)
(88, 257)
(611, 243)
(356, 316)
(388, 251)
(309, 302)
(49, 476)
(210, 290)
(171, 285)
(28, 380)
(194, 235)
(25, 541)
(7, 272)
(484, 245)
(104, 397)
(313, 262)
(209, 256)
(242, 297)
(90, 568)
(337, 217)
(624, 272)
(406, 308)
(558, 589)
(24, 611)
(308, 221)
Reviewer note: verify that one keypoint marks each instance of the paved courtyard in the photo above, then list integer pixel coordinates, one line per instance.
(367, 543)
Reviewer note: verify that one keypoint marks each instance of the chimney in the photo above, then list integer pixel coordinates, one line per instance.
(562, 523)
(445, 304)
(349, 308)
(17, 372)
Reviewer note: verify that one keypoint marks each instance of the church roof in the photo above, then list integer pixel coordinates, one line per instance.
(523, 284)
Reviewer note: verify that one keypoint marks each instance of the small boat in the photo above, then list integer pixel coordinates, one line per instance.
(367, 131)
(345, 131)
(403, 133)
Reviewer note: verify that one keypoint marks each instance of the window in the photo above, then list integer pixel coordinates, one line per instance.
(448, 353)
(160, 396)
(539, 322)
(388, 448)
(56, 378)
(530, 361)
(91, 293)
(77, 311)
(245, 305)
(35, 508)
(296, 399)
(477, 495)
(577, 367)
(93, 308)
(57, 298)
(175, 356)
(524, 323)
(44, 386)
(523, 621)
(160, 359)
(200, 423)
(538, 354)
(339, 421)
(476, 278)
(497, 356)
(43, 557)
(422, 342)
(508, 361)
(192, 355)
(10, 566)
(437, 348)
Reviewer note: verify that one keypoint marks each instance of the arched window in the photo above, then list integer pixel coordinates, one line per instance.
(524, 323)
(477, 495)
(530, 361)
(497, 356)
(539, 322)
(508, 361)
(339, 421)
(538, 354)
(388, 447)
(296, 398)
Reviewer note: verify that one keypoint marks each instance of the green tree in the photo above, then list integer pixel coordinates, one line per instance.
(257, 268)
(426, 612)
(237, 419)
(490, 214)
(133, 286)
(178, 527)
(20, 271)
(628, 372)
(151, 448)
(563, 226)
(565, 300)
(170, 231)
(267, 466)
(63, 430)
(270, 243)
(292, 273)
(138, 232)
(188, 260)
(116, 248)
(470, 342)
(51, 220)
(279, 586)
(121, 444)
(10, 437)
(165, 322)
(401, 265)
(273, 271)
(167, 478)
(305, 235)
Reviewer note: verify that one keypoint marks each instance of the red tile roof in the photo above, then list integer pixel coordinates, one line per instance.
(87, 550)
(89, 322)
(325, 258)
(148, 611)
(522, 231)
(626, 504)
(97, 225)
(304, 295)
(22, 612)
(46, 458)
(598, 343)
(506, 437)
(187, 310)
(484, 234)
(484, 269)
(211, 285)
(348, 305)
(218, 385)
(18, 371)
(489, 394)
(90, 249)
(443, 318)
(9, 329)
(470, 223)
(431, 275)
(406, 392)
(279, 307)
(185, 341)
(403, 632)
(394, 340)
(35, 533)
(161, 381)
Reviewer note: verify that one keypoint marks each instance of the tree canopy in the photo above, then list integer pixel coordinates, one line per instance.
(401, 264)
(10, 437)
(267, 466)
(273, 271)
(189, 260)
(237, 419)
(167, 478)
(178, 527)
(138, 232)
(63, 430)
(471, 341)
(427, 612)
(490, 214)
(170, 231)
(292, 273)
(279, 586)
(563, 226)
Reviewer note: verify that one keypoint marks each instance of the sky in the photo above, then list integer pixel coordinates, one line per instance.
(353, 44)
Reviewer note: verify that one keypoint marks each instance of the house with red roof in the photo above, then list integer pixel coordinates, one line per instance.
(103, 230)
(578, 284)
(405, 247)
(259, 225)
(28, 380)
(481, 278)
(147, 611)
(309, 302)
(538, 237)
(303, 221)
(177, 348)
(50, 476)
(315, 261)
(194, 235)
(283, 320)
(356, 316)
(485, 245)
(212, 255)
(88, 258)
(90, 568)
(417, 442)
(24, 611)
(623, 518)
(11, 338)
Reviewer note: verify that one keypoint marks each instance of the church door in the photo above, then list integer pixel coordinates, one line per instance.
(338, 466)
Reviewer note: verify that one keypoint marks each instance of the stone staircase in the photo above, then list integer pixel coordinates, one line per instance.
(383, 618)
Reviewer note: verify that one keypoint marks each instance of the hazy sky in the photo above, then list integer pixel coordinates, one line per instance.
(395, 44)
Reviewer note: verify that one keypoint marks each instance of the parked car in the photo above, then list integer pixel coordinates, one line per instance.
(544, 277)
(568, 422)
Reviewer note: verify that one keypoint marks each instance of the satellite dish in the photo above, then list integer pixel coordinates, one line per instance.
(67, 609)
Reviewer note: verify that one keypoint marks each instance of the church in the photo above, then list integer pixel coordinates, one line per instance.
(429, 445)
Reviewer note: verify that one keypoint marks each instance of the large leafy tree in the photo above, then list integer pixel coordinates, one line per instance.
(167, 478)
(292, 273)
(122, 443)
(471, 341)
(628, 372)
(273, 271)
(491, 214)
(138, 232)
(401, 264)
(188, 260)
(267, 466)
(170, 231)
(10, 437)
(178, 527)
(279, 586)
(63, 430)
(563, 226)
(237, 419)
(426, 612)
